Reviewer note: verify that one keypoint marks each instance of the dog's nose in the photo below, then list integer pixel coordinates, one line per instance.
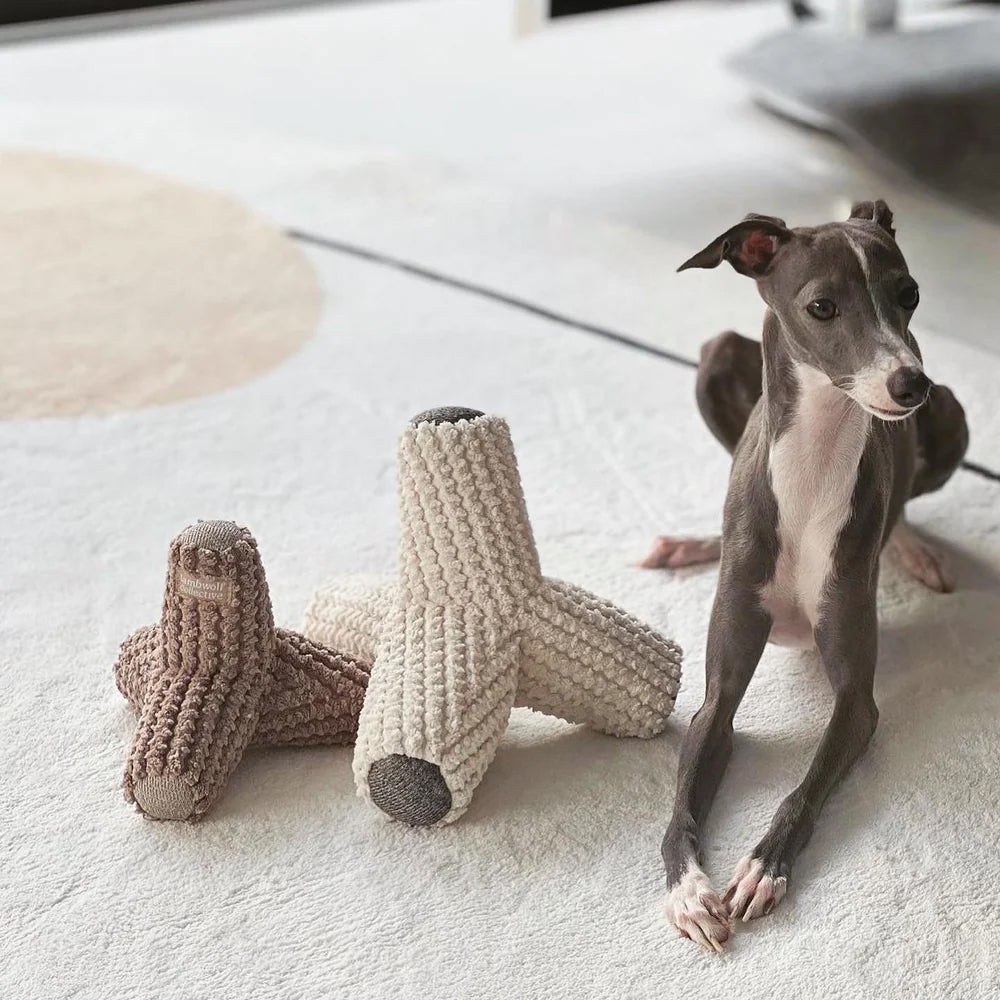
(908, 386)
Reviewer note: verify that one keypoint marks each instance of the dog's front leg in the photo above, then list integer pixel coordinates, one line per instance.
(847, 642)
(736, 637)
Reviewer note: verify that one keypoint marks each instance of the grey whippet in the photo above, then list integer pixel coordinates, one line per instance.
(833, 426)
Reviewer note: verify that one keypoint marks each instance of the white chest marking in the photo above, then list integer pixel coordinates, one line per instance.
(814, 468)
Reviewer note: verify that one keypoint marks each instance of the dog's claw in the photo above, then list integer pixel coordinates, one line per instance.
(675, 552)
(715, 906)
(696, 910)
(753, 892)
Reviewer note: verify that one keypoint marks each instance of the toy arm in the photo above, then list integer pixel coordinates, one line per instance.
(138, 665)
(587, 661)
(314, 697)
(582, 658)
(347, 615)
(198, 715)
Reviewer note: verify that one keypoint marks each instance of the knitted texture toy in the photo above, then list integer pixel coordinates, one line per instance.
(472, 628)
(215, 676)
(314, 697)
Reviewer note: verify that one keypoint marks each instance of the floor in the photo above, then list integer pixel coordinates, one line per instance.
(628, 116)
(552, 884)
(574, 168)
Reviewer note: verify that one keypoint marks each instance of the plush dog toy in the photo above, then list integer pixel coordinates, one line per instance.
(472, 628)
(216, 675)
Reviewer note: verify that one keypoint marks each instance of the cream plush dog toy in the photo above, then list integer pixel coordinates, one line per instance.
(472, 628)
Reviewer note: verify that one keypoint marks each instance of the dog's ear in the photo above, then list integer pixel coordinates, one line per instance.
(875, 211)
(754, 217)
(749, 246)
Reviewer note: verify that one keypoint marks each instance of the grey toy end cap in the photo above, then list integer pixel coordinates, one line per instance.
(164, 797)
(446, 415)
(409, 789)
(215, 535)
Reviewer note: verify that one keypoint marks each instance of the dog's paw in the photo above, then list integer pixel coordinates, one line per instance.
(675, 552)
(696, 910)
(921, 560)
(754, 891)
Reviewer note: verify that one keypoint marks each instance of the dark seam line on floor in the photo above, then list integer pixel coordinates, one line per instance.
(352, 250)
(981, 470)
(488, 293)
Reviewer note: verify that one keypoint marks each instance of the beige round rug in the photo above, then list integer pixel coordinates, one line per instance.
(120, 289)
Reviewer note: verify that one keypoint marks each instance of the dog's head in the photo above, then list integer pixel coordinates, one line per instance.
(844, 297)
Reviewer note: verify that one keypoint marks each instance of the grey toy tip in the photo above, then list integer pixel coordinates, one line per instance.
(446, 415)
(409, 789)
(217, 535)
(164, 797)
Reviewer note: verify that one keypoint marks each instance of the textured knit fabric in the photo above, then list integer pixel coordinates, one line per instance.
(473, 628)
(217, 656)
(583, 659)
(347, 614)
(445, 673)
(314, 696)
(586, 660)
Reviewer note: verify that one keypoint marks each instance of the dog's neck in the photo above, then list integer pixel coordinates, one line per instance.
(816, 440)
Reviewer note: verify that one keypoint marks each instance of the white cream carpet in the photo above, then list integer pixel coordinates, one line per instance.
(551, 885)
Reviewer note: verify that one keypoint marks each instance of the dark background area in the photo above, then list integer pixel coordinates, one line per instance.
(17, 11)
(560, 8)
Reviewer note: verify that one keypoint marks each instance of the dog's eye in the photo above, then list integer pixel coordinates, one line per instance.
(822, 309)
(909, 297)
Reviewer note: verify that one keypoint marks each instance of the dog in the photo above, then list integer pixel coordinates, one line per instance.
(833, 425)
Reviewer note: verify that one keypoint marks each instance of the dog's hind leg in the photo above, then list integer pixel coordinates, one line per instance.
(730, 379)
(677, 551)
(924, 561)
(942, 440)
